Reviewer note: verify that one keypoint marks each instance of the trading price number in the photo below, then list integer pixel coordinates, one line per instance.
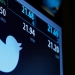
(53, 46)
(28, 13)
(28, 29)
(2, 11)
(53, 31)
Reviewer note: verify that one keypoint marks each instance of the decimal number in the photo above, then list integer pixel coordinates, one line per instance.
(27, 12)
(53, 31)
(53, 46)
(2, 11)
(28, 29)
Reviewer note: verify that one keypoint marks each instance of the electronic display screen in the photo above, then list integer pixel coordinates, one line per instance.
(50, 8)
(30, 42)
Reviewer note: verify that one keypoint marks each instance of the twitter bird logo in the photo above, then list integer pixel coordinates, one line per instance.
(9, 54)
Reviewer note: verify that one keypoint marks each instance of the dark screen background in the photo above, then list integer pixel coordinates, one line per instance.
(35, 58)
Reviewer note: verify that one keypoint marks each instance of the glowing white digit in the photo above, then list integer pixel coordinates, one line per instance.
(0, 10)
(23, 26)
(4, 12)
(57, 49)
(49, 43)
(32, 31)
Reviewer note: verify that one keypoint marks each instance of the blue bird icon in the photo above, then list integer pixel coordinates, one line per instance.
(9, 54)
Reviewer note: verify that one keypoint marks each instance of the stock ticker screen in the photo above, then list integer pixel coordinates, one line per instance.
(30, 42)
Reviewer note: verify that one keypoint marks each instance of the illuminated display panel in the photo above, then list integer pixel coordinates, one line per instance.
(39, 37)
(50, 8)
